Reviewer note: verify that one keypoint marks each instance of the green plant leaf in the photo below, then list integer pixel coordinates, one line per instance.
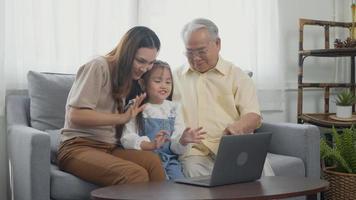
(327, 152)
(345, 98)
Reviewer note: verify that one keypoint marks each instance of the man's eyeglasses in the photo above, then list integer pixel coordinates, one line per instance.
(197, 52)
(200, 52)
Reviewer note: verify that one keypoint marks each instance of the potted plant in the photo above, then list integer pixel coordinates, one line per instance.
(344, 102)
(339, 164)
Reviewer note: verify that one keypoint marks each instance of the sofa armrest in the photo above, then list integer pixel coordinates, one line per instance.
(17, 110)
(298, 140)
(29, 156)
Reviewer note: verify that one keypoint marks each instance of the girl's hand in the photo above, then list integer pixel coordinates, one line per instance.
(192, 136)
(160, 139)
(134, 108)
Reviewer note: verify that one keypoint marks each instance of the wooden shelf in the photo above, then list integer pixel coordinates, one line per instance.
(323, 119)
(329, 52)
(325, 85)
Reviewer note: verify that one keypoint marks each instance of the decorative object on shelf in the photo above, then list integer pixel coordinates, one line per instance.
(348, 43)
(353, 15)
(344, 101)
(339, 164)
(351, 119)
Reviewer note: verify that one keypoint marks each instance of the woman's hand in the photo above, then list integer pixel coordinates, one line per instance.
(134, 108)
(192, 136)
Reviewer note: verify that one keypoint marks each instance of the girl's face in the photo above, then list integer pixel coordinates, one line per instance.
(143, 61)
(159, 85)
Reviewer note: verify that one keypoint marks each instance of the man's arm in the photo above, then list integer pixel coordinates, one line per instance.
(247, 124)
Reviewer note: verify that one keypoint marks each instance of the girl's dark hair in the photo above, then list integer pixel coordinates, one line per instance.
(121, 59)
(158, 64)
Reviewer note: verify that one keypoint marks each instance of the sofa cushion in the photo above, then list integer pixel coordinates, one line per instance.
(68, 186)
(286, 165)
(48, 95)
(55, 138)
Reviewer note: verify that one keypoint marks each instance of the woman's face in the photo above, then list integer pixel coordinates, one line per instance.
(143, 61)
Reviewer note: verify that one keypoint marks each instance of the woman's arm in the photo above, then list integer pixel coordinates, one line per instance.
(89, 117)
(130, 138)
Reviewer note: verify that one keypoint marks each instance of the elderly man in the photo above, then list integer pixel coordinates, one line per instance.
(215, 95)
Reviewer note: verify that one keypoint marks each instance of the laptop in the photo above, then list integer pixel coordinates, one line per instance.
(240, 158)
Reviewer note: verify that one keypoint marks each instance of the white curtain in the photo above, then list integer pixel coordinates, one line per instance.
(58, 35)
(342, 13)
(61, 35)
(249, 31)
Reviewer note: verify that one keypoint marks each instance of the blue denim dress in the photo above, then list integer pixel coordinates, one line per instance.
(169, 159)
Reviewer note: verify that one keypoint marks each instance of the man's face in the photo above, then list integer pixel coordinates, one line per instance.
(202, 52)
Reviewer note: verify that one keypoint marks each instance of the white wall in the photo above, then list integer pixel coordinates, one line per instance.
(315, 69)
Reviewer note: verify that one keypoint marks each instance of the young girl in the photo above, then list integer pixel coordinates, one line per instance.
(160, 126)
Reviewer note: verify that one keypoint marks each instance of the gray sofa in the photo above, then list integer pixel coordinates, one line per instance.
(34, 118)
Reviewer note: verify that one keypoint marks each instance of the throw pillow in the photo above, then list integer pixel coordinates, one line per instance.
(48, 96)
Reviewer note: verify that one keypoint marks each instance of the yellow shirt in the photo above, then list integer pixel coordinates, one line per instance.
(213, 100)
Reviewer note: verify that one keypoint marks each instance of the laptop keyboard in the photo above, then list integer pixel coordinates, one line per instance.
(206, 181)
(201, 179)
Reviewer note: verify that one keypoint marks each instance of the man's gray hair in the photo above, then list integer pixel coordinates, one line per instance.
(198, 24)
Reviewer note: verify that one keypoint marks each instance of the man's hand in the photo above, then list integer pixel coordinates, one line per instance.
(236, 129)
(247, 124)
(192, 136)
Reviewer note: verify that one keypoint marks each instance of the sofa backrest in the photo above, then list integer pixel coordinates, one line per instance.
(48, 94)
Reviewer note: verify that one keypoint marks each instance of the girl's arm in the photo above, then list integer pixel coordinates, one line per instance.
(183, 138)
(179, 128)
(130, 138)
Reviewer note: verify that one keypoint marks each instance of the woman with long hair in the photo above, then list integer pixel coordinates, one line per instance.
(95, 109)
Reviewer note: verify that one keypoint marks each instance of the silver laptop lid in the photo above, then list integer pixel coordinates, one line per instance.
(240, 158)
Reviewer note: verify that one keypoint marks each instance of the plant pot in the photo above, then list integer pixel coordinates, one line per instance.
(343, 111)
(342, 185)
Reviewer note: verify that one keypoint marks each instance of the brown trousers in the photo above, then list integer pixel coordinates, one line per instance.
(106, 164)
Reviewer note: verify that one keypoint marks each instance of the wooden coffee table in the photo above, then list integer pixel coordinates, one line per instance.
(273, 187)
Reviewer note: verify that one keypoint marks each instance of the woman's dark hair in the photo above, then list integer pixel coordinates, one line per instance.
(121, 59)
(157, 65)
